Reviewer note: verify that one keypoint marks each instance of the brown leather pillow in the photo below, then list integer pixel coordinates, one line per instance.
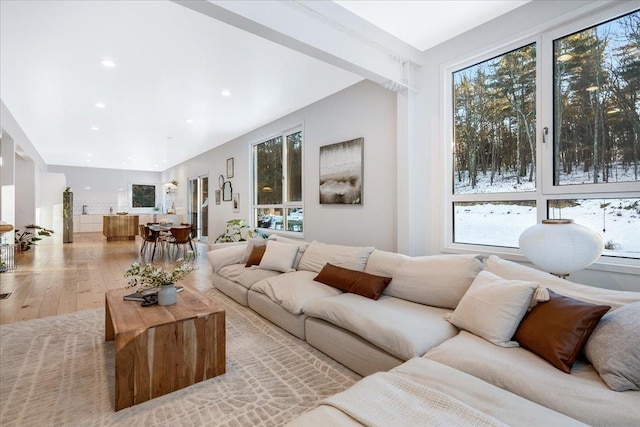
(558, 329)
(356, 282)
(256, 256)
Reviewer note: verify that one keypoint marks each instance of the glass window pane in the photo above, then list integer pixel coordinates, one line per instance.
(294, 167)
(494, 118)
(270, 218)
(492, 223)
(268, 166)
(616, 220)
(597, 104)
(294, 219)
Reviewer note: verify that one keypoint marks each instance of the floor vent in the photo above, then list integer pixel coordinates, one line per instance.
(5, 296)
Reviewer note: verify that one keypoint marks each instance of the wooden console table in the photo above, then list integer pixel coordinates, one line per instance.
(161, 349)
(120, 227)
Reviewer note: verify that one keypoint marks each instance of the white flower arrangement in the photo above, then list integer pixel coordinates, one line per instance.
(147, 276)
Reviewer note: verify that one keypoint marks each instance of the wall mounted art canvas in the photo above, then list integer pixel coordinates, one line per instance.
(341, 172)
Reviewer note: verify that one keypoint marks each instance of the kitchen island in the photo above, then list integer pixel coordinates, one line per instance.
(120, 227)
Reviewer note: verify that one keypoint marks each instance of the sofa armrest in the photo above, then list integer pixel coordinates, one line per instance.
(231, 254)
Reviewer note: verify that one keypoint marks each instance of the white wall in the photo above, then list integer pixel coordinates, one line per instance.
(362, 110)
(50, 208)
(25, 198)
(108, 188)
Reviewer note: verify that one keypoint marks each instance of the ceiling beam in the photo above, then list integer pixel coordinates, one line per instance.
(322, 30)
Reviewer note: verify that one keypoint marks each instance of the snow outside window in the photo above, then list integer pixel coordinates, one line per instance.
(548, 129)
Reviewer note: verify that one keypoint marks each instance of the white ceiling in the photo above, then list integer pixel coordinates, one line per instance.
(171, 65)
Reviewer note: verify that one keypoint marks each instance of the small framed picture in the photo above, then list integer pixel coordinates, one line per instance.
(230, 168)
(217, 197)
(236, 202)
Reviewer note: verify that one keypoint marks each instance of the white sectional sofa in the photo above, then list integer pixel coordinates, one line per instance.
(453, 317)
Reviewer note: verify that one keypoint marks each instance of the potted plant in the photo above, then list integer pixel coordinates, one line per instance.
(238, 231)
(147, 276)
(29, 236)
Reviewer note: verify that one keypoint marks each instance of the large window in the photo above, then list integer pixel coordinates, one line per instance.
(580, 137)
(277, 182)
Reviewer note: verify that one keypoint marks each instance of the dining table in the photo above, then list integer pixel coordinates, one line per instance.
(164, 231)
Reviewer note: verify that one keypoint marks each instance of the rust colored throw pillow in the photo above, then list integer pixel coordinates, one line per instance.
(255, 256)
(356, 282)
(558, 329)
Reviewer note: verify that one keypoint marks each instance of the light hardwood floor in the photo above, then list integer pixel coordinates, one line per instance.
(53, 279)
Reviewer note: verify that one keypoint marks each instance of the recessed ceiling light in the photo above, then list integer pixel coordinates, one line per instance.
(156, 165)
(89, 154)
(225, 93)
(108, 63)
(100, 105)
(87, 188)
(88, 160)
(95, 128)
(188, 120)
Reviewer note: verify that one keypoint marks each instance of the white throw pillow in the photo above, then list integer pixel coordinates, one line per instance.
(302, 246)
(279, 256)
(614, 348)
(493, 307)
(439, 280)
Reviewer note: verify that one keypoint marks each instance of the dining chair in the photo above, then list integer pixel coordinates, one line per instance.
(192, 235)
(180, 236)
(149, 236)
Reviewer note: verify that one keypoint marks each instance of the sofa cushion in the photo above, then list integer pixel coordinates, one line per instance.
(401, 328)
(279, 257)
(356, 282)
(511, 270)
(293, 291)
(581, 395)
(493, 307)
(384, 263)
(614, 348)
(256, 256)
(318, 254)
(224, 256)
(558, 329)
(439, 280)
(245, 276)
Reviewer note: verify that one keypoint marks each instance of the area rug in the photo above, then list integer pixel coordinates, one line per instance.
(59, 371)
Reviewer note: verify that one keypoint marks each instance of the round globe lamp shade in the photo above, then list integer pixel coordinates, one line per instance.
(561, 247)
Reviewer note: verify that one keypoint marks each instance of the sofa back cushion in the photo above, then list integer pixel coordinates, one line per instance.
(318, 254)
(384, 263)
(439, 280)
(511, 270)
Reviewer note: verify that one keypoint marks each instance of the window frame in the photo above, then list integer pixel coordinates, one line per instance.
(545, 189)
(285, 203)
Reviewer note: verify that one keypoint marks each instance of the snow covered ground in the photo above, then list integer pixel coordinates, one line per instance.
(501, 224)
(497, 224)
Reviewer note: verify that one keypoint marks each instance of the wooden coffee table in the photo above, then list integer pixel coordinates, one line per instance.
(160, 349)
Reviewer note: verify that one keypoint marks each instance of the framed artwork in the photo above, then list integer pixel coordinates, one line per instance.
(236, 202)
(230, 168)
(217, 197)
(226, 192)
(341, 172)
